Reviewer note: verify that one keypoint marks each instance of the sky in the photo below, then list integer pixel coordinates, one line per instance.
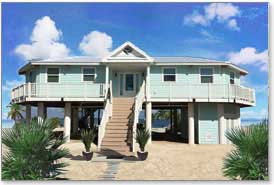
(234, 32)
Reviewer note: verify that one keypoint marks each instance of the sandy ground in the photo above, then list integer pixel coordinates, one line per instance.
(80, 169)
(166, 161)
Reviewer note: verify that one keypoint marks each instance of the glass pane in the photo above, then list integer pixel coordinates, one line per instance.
(129, 82)
(53, 70)
(121, 84)
(89, 71)
(137, 83)
(206, 71)
(89, 77)
(231, 81)
(169, 78)
(232, 75)
(53, 78)
(169, 70)
(206, 79)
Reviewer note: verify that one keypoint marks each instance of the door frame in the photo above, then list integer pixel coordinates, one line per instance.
(124, 83)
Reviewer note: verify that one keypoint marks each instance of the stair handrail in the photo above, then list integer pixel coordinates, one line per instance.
(138, 102)
(106, 115)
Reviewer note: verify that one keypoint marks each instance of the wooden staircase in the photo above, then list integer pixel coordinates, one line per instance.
(118, 129)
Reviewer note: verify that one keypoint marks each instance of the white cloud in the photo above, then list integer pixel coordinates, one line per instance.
(9, 84)
(221, 12)
(45, 43)
(195, 18)
(96, 44)
(250, 56)
(233, 25)
(251, 114)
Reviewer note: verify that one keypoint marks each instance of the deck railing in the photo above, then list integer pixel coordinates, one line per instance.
(106, 115)
(139, 99)
(59, 90)
(203, 91)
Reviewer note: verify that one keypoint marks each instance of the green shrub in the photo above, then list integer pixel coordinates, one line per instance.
(87, 137)
(249, 159)
(142, 137)
(33, 152)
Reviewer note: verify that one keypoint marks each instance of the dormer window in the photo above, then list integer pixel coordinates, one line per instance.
(127, 49)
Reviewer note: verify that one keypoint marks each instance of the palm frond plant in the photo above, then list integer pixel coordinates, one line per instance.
(249, 158)
(142, 138)
(15, 112)
(33, 152)
(87, 137)
(56, 121)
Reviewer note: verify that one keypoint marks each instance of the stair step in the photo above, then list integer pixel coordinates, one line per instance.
(116, 131)
(117, 127)
(115, 135)
(114, 143)
(113, 139)
(124, 148)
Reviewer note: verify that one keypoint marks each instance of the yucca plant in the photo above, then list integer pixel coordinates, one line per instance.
(249, 159)
(87, 137)
(142, 137)
(34, 152)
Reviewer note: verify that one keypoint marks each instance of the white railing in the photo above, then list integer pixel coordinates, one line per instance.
(106, 115)
(139, 99)
(208, 91)
(59, 90)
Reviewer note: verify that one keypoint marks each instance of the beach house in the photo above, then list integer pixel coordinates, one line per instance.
(207, 93)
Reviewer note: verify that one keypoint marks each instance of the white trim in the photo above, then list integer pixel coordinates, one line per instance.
(82, 74)
(110, 56)
(213, 73)
(46, 77)
(163, 68)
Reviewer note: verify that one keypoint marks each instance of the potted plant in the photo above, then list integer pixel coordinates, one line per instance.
(142, 137)
(87, 137)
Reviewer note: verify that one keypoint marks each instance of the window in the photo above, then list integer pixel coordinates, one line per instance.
(88, 74)
(53, 75)
(31, 80)
(206, 75)
(169, 74)
(232, 77)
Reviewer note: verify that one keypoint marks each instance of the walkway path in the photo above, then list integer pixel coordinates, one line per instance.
(111, 171)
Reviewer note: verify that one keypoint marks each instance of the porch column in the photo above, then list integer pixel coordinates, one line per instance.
(107, 76)
(75, 120)
(191, 123)
(221, 119)
(67, 121)
(148, 119)
(148, 83)
(40, 111)
(28, 113)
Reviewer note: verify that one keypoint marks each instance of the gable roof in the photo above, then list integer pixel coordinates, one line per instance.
(121, 55)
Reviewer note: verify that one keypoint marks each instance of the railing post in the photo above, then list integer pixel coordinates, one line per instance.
(208, 88)
(85, 90)
(29, 89)
(228, 92)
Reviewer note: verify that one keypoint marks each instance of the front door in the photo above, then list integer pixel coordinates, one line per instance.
(129, 85)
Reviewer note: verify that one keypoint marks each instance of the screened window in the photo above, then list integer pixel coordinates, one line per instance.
(206, 75)
(232, 77)
(53, 75)
(169, 74)
(88, 74)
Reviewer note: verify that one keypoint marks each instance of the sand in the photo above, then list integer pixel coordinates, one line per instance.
(166, 161)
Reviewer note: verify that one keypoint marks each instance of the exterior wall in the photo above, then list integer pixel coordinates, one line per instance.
(232, 118)
(208, 123)
(187, 75)
(71, 75)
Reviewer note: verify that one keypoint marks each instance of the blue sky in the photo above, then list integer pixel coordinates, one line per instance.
(237, 32)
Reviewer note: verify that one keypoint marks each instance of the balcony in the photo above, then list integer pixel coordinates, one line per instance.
(58, 92)
(203, 93)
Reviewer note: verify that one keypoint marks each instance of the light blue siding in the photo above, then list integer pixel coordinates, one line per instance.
(208, 124)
